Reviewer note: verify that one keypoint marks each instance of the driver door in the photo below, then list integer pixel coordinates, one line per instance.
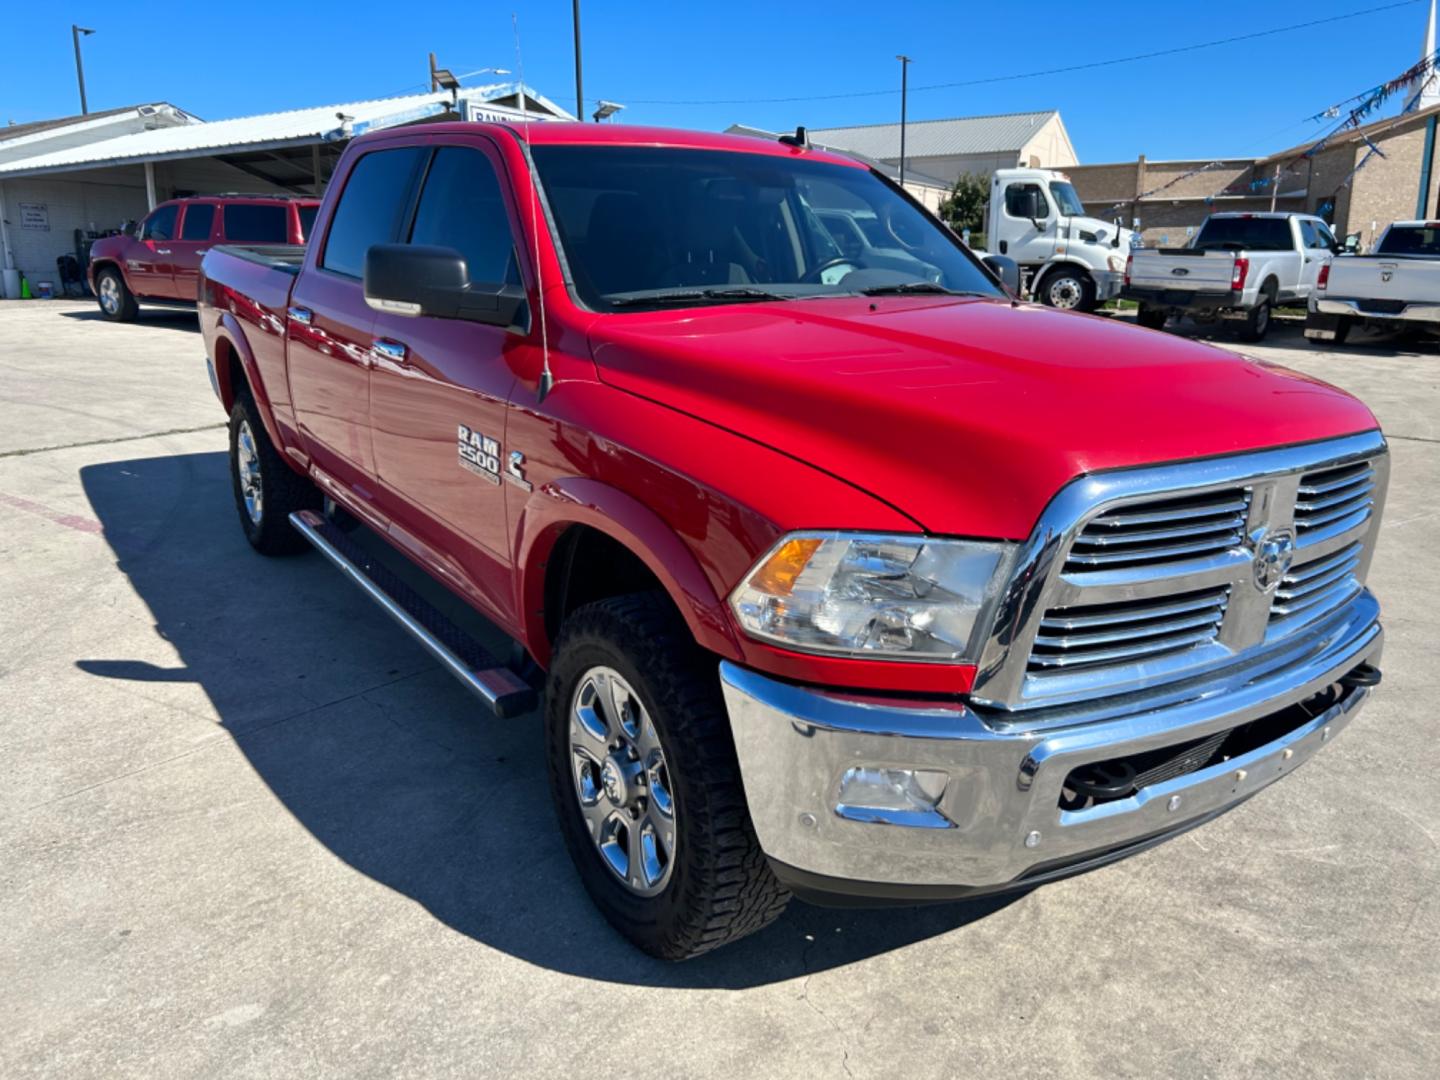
(1029, 224)
(147, 257)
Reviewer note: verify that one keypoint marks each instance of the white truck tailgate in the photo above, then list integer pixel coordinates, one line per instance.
(1192, 271)
(1385, 278)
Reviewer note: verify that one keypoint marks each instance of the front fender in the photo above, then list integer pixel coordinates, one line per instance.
(577, 500)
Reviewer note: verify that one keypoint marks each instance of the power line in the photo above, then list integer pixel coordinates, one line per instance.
(1031, 74)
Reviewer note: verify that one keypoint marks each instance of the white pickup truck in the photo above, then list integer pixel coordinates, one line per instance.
(1239, 266)
(1398, 285)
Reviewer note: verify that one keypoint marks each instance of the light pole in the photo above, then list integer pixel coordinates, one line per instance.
(75, 32)
(904, 87)
(579, 87)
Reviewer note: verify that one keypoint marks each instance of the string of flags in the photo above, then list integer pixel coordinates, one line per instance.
(1373, 98)
(1168, 184)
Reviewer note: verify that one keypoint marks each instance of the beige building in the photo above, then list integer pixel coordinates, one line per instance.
(944, 149)
(1400, 185)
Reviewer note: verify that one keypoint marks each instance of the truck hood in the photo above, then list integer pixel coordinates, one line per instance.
(965, 415)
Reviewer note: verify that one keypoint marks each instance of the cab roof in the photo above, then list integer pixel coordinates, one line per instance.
(555, 133)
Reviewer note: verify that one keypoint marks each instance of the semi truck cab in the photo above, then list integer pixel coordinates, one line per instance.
(1067, 259)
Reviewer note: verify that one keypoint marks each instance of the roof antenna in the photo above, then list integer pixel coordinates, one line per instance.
(547, 380)
(801, 138)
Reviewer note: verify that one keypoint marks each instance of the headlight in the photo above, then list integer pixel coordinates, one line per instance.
(888, 597)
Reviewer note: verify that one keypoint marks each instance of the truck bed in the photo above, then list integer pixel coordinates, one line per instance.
(1383, 281)
(286, 257)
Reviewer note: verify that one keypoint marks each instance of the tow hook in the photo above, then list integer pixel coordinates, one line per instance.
(1366, 675)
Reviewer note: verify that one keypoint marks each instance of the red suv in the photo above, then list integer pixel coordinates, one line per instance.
(157, 262)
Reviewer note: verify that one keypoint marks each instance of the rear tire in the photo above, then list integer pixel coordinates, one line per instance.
(1067, 288)
(117, 302)
(1151, 318)
(1257, 322)
(267, 490)
(704, 881)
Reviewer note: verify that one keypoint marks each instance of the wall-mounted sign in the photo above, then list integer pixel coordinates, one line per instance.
(35, 215)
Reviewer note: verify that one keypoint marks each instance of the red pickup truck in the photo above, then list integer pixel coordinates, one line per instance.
(851, 576)
(158, 261)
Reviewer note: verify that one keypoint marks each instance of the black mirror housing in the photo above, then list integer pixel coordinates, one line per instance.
(416, 279)
(1006, 269)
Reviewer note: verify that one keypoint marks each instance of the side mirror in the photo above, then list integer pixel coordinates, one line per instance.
(1005, 269)
(413, 279)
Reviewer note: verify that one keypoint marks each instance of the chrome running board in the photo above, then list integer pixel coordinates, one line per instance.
(503, 691)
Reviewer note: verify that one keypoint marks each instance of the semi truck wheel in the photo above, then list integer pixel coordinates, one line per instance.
(117, 302)
(267, 491)
(1152, 318)
(646, 785)
(1068, 288)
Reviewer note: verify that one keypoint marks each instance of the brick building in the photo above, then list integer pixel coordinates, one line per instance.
(1404, 183)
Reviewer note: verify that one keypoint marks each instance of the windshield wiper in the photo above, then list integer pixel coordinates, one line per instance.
(915, 287)
(690, 296)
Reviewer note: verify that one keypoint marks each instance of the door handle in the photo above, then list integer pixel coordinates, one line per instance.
(302, 315)
(390, 350)
(162, 251)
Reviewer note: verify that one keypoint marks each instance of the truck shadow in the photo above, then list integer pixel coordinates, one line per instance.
(387, 761)
(160, 318)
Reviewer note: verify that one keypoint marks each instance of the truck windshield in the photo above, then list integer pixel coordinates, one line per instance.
(1066, 198)
(1245, 233)
(1411, 240)
(660, 227)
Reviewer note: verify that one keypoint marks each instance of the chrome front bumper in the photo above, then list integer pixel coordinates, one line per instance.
(1108, 284)
(1001, 819)
(1353, 309)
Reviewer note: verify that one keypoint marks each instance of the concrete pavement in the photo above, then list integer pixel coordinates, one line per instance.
(247, 828)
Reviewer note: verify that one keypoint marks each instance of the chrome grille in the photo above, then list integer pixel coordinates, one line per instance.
(1330, 496)
(1168, 530)
(1093, 634)
(1138, 578)
(1318, 586)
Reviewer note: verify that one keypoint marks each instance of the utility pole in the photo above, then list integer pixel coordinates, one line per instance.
(1275, 187)
(434, 84)
(579, 86)
(904, 89)
(75, 32)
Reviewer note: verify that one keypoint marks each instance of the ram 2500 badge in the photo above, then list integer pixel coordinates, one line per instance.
(850, 576)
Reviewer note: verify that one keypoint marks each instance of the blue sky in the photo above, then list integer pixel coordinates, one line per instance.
(222, 60)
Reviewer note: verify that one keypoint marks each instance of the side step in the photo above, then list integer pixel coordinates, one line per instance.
(504, 692)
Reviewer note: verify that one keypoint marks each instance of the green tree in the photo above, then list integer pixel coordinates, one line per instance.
(964, 207)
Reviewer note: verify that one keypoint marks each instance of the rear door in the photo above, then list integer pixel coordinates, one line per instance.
(440, 388)
(197, 227)
(147, 259)
(329, 326)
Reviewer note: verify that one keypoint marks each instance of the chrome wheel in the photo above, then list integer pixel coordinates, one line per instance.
(109, 294)
(622, 781)
(1064, 292)
(247, 470)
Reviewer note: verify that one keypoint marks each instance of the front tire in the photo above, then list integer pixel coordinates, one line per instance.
(1068, 288)
(646, 785)
(267, 491)
(117, 302)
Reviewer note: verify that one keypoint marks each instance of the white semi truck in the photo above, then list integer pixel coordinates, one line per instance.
(1067, 260)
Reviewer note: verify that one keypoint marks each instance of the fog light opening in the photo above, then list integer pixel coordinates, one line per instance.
(888, 796)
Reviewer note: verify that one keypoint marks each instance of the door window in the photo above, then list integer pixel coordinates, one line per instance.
(1316, 236)
(199, 217)
(255, 223)
(1026, 201)
(371, 207)
(461, 207)
(161, 224)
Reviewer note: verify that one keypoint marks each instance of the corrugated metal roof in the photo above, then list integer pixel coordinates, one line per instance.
(884, 167)
(938, 138)
(266, 131)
